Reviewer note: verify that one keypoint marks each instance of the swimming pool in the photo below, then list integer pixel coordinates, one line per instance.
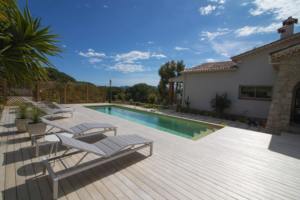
(181, 127)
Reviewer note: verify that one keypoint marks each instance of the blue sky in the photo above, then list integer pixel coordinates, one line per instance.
(128, 40)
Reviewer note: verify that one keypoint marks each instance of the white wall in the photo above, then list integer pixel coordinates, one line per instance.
(255, 70)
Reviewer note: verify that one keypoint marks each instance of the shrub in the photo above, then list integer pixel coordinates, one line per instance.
(146, 106)
(177, 109)
(137, 103)
(181, 109)
(152, 98)
(2, 102)
(185, 110)
(242, 119)
(219, 103)
(130, 101)
(123, 97)
(224, 124)
(201, 112)
(23, 110)
(116, 97)
(187, 103)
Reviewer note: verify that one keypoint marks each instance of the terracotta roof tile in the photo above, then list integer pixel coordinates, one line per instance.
(213, 67)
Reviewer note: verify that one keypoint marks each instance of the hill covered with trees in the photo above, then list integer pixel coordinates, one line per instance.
(60, 77)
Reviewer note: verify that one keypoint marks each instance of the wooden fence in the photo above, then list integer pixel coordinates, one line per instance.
(51, 91)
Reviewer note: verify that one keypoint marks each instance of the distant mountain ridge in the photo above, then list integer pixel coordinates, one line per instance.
(130, 86)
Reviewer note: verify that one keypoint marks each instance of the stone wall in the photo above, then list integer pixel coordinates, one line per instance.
(280, 111)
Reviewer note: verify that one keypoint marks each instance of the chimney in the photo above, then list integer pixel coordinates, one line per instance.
(288, 27)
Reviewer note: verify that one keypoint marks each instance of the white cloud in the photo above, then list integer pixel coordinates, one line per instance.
(95, 66)
(105, 6)
(210, 60)
(281, 9)
(92, 54)
(181, 48)
(207, 10)
(90, 50)
(125, 68)
(221, 7)
(248, 30)
(244, 4)
(64, 46)
(131, 56)
(150, 42)
(158, 56)
(94, 60)
(212, 35)
(225, 54)
(202, 39)
(76, 51)
(223, 29)
(231, 48)
(221, 1)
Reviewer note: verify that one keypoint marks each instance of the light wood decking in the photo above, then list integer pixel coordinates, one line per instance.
(228, 164)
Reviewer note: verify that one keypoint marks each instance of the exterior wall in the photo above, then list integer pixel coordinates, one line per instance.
(280, 112)
(255, 70)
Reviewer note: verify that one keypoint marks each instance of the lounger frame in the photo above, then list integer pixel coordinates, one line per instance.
(85, 166)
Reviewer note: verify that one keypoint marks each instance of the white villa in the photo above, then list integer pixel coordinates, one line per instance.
(265, 81)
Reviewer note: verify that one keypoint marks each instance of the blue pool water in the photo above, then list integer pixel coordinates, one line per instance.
(184, 128)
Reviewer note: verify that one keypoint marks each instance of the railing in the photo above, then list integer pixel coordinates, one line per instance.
(51, 91)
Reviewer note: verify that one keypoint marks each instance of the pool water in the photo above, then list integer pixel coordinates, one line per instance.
(184, 128)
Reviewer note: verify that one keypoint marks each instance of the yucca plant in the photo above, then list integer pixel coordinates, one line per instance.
(23, 110)
(24, 45)
(35, 114)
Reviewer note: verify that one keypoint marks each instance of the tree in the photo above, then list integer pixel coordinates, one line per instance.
(166, 72)
(110, 97)
(141, 91)
(179, 68)
(24, 45)
(152, 98)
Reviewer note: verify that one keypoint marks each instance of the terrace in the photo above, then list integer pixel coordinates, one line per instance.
(231, 163)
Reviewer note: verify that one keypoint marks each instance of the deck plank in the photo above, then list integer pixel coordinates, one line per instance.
(231, 163)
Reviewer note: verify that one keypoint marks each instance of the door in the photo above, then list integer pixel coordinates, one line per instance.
(297, 107)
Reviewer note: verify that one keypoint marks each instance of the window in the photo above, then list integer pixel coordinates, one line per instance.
(256, 92)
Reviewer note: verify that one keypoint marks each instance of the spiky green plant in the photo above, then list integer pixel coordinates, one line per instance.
(23, 110)
(24, 45)
(35, 114)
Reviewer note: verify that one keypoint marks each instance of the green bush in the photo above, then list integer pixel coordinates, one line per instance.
(177, 109)
(123, 97)
(152, 98)
(219, 103)
(181, 109)
(224, 124)
(2, 102)
(137, 103)
(131, 101)
(146, 106)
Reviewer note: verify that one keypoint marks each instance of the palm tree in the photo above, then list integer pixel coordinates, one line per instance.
(24, 45)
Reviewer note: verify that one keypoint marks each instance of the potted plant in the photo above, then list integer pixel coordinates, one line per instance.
(22, 117)
(34, 127)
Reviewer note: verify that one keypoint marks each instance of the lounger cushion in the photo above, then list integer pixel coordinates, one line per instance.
(106, 147)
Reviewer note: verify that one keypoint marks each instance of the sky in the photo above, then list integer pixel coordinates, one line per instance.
(127, 41)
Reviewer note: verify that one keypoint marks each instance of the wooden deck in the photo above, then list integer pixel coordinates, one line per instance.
(231, 163)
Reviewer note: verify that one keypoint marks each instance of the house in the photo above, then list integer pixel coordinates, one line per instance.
(264, 81)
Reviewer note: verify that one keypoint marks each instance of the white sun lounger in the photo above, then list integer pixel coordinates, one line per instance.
(77, 131)
(109, 149)
(58, 106)
(50, 112)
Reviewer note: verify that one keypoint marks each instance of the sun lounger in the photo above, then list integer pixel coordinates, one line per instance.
(78, 131)
(109, 149)
(55, 105)
(49, 112)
